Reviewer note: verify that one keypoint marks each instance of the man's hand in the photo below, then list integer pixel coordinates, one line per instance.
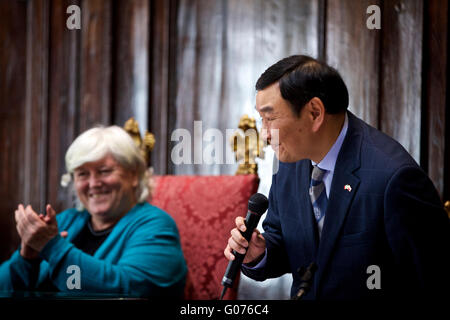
(238, 243)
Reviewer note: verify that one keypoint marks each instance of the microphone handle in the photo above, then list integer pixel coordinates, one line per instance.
(251, 222)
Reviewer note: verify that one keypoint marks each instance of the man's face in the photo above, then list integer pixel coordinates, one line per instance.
(289, 135)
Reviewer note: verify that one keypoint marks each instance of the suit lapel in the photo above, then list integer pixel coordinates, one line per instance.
(343, 189)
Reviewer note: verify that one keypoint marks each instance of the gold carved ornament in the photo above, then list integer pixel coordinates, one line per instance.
(146, 144)
(247, 145)
(245, 142)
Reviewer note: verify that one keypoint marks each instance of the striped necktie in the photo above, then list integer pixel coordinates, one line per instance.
(318, 195)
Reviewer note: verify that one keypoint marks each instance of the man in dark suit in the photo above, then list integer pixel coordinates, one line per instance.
(346, 196)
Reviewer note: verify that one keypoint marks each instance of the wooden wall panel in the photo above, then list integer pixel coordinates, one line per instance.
(131, 36)
(96, 63)
(13, 17)
(353, 50)
(200, 63)
(35, 139)
(24, 111)
(401, 73)
(223, 47)
(162, 26)
(435, 86)
(63, 100)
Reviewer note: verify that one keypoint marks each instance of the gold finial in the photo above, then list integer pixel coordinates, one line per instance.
(447, 207)
(146, 146)
(247, 145)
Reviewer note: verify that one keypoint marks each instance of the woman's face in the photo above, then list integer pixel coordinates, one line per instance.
(105, 188)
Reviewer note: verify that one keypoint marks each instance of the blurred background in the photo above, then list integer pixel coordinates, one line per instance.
(169, 63)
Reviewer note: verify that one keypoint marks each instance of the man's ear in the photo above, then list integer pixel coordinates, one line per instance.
(317, 113)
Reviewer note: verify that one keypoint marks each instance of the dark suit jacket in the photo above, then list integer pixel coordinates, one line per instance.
(392, 218)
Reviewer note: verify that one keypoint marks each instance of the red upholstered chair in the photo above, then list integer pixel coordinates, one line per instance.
(204, 209)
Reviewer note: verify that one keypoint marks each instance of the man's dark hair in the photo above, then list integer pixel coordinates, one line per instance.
(302, 78)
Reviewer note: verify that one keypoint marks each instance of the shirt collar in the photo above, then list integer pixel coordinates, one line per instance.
(329, 161)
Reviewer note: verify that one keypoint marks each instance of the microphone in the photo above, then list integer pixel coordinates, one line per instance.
(257, 205)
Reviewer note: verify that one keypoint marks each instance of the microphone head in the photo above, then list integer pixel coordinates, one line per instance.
(258, 203)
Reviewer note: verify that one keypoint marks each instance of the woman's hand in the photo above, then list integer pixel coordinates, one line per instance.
(35, 230)
(27, 252)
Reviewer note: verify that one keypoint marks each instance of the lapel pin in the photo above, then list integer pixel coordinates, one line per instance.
(348, 188)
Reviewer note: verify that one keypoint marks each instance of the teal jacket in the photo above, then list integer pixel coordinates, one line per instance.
(141, 257)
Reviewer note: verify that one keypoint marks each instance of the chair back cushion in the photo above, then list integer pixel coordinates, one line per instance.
(204, 209)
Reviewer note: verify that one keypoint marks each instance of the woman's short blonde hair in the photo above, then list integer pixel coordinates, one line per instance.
(96, 143)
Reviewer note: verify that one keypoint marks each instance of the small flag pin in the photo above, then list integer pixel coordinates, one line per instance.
(348, 188)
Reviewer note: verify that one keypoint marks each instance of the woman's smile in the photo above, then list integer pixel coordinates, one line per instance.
(105, 189)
